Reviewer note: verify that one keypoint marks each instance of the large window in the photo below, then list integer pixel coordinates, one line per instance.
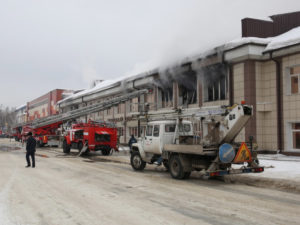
(295, 79)
(296, 135)
(133, 131)
(187, 87)
(166, 96)
(214, 79)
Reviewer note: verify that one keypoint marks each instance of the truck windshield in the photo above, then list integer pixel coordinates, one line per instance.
(79, 134)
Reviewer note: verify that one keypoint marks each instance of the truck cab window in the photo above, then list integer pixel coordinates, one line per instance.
(149, 130)
(169, 128)
(156, 131)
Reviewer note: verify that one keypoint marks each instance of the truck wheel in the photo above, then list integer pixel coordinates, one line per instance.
(137, 162)
(66, 147)
(38, 144)
(106, 152)
(176, 168)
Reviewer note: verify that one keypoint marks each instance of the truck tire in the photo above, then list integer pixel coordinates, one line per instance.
(176, 168)
(137, 162)
(66, 147)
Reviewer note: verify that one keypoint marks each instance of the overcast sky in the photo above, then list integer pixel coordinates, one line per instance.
(66, 44)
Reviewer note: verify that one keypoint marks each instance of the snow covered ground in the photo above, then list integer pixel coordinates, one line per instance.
(280, 166)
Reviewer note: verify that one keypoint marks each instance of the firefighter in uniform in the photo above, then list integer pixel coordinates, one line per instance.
(30, 150)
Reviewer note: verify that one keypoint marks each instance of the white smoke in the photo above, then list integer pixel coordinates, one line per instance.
(89, 74)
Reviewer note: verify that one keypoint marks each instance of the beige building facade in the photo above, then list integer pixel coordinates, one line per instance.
(259, 70)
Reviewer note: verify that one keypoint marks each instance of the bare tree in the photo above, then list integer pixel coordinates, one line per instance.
(7, 118)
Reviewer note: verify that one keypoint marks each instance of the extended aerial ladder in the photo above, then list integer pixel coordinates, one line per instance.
(45, 124)
(63, 117)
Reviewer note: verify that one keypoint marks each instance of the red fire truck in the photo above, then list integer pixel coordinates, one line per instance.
(17, 133)
(94, 136)
(44, 135)
(47, 134)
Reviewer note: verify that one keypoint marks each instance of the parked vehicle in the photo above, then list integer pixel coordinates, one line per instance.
(47, 135)
(91, 136)
(213, 151)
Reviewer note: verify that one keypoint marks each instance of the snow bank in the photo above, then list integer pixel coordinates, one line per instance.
(247, 40)
(280, 166)
(289, 38)
(102, 85)
(20, 107)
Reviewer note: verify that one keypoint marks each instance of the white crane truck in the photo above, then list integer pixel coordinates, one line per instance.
(212, 150)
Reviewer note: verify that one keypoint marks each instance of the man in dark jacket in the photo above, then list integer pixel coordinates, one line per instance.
(30, 150)
(131, 141)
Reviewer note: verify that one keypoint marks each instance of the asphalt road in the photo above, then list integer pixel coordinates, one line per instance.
(74, 190)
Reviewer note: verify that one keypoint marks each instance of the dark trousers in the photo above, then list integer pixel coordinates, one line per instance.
(32, 154)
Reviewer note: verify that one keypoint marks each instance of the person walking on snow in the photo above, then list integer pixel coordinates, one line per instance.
(30, 150)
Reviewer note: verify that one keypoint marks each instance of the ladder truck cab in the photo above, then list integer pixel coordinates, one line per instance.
(211, 150)
(91, 136)
(17, 133)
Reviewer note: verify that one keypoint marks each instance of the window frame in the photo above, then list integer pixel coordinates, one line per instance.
(211, 88)
(151, 131)
(292, 132)
(170, 125)
(291, 74)
(298, 77)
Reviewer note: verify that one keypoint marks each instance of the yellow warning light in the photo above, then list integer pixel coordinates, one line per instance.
(243, 154)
